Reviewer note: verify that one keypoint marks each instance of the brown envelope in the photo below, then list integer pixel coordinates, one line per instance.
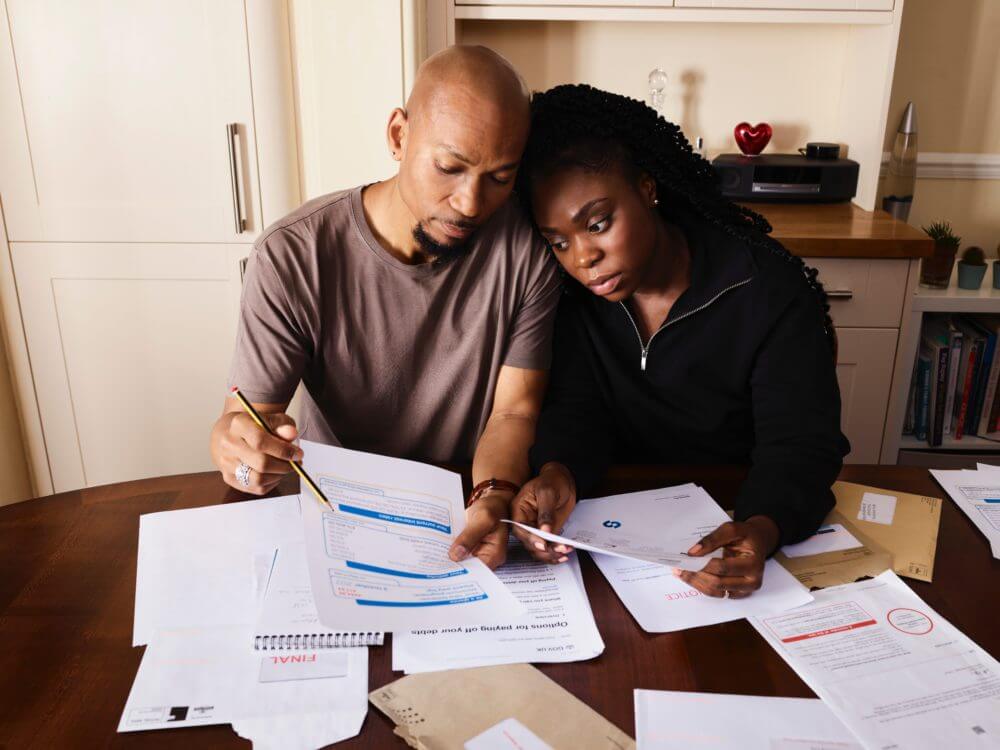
(843, 566)
(912, 535)
(438, 710)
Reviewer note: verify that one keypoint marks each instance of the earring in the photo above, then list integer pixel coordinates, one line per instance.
(656, 201)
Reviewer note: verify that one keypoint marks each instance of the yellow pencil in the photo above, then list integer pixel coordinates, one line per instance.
(264, 426)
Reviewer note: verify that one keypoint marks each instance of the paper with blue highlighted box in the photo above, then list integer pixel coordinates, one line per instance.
(378, 559)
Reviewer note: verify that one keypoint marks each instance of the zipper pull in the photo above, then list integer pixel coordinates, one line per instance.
(642, 363)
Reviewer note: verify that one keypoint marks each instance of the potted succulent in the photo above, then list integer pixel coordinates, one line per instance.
(971, 268)
(935, 271)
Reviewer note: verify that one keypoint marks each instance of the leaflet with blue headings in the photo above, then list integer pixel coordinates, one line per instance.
(378, 558)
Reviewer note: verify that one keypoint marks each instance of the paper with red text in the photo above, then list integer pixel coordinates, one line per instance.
(895, 672)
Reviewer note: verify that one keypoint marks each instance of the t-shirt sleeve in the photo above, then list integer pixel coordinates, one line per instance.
(530, 342)
(271, 348)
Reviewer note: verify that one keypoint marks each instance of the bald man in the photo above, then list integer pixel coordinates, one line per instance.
(416, 312)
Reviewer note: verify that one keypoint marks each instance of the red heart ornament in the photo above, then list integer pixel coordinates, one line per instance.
(752, 138)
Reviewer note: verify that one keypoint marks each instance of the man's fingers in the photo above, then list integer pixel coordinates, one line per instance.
(258, 440)
(493, 549)
(725, 534)
(283, 425)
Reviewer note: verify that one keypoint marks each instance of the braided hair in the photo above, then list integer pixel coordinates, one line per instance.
(576, 125)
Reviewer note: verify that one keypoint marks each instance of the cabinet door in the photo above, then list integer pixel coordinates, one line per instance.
(114, 120)
(130, 347)
(864, 372)
(789, 4)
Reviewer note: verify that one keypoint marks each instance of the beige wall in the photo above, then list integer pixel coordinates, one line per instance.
(948, 64)
(719, 74)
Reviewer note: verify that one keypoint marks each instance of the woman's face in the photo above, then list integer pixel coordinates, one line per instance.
(601, 226)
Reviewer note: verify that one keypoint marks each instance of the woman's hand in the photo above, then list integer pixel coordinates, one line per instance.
(484, 535)
(545, 503)
(740, 570)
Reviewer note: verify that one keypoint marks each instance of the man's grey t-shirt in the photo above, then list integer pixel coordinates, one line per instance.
(396, 359)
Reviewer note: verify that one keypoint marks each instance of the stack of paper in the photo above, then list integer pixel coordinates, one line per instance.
(977, 494)
(558, 626)
(894, 671)
(203, 676)
(201, 577)
(622, 532)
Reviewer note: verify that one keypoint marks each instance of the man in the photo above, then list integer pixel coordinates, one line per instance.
(417, 312)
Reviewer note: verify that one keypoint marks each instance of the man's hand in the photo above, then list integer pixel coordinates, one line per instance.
(484, 535)
(545, 503)
(740, 570)
(237, 439)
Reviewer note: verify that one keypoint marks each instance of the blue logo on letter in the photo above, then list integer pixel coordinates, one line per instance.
(613, 524)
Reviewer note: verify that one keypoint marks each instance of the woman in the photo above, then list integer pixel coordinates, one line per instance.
(687, 335)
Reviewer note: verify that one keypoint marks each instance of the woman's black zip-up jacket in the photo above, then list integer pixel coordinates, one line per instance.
(740, 372)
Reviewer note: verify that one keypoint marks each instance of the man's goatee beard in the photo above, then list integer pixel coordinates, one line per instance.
(438, 252)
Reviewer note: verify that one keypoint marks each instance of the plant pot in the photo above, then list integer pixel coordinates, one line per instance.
(970, 276)
(996, 274)
(935, 271)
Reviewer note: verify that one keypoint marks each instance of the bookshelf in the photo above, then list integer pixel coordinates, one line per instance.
(985, 300)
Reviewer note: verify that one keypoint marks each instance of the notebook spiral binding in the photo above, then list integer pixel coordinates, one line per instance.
(315, 640)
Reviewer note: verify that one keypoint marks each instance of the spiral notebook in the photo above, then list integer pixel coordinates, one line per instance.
(288, 618)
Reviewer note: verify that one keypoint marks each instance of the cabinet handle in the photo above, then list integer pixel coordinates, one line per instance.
(232, 130)
(839, 293)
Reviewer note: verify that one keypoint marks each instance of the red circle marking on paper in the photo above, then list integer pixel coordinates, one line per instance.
(910, 621)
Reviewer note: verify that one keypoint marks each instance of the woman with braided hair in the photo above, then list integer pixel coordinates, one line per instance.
(687, 335)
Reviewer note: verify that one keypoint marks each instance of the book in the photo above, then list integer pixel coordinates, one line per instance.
(936, 339)
(981, 377)
(963, 368)
(922, 396)
(954, 364)
(288, 617)
(990, 380)
(977, 343)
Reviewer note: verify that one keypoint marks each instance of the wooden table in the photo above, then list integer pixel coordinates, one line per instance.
(67, 582)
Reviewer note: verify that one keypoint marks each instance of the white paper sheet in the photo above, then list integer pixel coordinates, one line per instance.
(558, 626)
(379, 559)
(977, 494)
(662, 603)
(509, 734)
(829, 538)
(987, 467)
(657, 526)
(714, 721)
(202, 566)
(895, 672)
(196, 677)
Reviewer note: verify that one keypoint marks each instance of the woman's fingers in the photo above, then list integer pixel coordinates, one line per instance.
(712, 585)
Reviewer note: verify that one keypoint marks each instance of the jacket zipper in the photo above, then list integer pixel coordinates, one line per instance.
(689, 313)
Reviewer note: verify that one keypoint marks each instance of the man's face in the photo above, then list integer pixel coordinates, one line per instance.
(459, 158)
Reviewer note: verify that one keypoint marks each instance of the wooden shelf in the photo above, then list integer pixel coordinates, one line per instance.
(986, 299)
(948, 443)
(842, 230)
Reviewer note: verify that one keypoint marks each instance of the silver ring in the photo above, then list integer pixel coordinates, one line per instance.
(726, 595)
(243, 474)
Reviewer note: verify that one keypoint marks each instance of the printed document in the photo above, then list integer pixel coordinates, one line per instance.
(896, 673)
(657, 526)
(717, 721)
(662, 603)
(558, 626)
(197, 677)
(977, 494)
(378, 560)
(201, 566)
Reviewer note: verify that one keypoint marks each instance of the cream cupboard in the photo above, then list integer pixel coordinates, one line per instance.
(144, 146)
